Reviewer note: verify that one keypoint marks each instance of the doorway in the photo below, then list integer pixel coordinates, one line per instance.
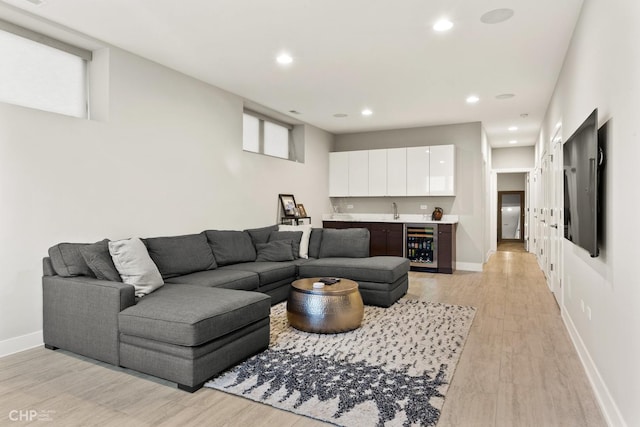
(511, 216)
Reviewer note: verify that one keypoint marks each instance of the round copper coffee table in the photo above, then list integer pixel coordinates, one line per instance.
(328, 310)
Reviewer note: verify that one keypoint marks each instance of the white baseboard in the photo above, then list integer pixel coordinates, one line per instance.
(21, 343)
(610, 410)
(469, 266)
(488, 255)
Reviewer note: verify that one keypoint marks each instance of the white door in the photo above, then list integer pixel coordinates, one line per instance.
(397, 172)
(556, 230)
(339, 174)
(359, 173)
(547, 197)
(377, 172)
(442, 170)
(418, 171)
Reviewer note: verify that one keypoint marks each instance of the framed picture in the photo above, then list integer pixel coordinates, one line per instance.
(288, 204)
(302, 210)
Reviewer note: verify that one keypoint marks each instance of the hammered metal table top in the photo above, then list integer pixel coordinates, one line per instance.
(343, 287)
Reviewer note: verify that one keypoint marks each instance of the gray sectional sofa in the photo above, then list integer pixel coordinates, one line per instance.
(213, 310)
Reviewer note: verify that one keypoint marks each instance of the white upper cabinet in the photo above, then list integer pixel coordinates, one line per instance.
(418, 171)
(442, 168)
(377, 172)
(339, 174)
(397, 172)
(359, 173)
(413, 171)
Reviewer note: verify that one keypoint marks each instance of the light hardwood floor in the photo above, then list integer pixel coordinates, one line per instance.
(518, 368)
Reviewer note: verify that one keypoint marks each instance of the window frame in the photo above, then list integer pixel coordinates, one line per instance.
(261, 135)
(84, 54)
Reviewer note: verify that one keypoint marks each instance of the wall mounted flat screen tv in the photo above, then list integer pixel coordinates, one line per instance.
(582, 158)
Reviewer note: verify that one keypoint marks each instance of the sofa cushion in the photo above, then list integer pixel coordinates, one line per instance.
(135, 266)
(278, 250)
(178, 255)
(231, 247)
(379, 269)
(192, 315)
(293, 236)
(99, 260)
(261, 235)
(315, 240)
(269, 272)
(220, 278)
(304, 239)
(349, 242)
(67, 260)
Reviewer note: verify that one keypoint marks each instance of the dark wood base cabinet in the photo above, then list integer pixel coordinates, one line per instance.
(385, 238)
(388, 239)
(446, 248)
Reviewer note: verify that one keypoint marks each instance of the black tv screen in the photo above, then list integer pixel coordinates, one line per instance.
(581, 158)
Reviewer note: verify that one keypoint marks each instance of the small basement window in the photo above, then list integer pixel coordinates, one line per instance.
(42, 73)
(263, 135)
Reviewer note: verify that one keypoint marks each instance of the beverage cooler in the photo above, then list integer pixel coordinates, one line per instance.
(421, 246)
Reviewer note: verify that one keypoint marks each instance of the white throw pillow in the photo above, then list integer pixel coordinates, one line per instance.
(304, 241)
(135, 266)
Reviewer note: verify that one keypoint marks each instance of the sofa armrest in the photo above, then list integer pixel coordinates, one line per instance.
(80, 314)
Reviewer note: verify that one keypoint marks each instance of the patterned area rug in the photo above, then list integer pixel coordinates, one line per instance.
(394, 370)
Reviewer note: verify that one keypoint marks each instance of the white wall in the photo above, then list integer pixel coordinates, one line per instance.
(469, 202)
(601, 70)
(512, 181)
(167, 160)
(513, 158)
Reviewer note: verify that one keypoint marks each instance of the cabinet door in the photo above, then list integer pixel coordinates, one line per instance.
(397, 172)
(395, 240)
(339, 174)
(377, 172)
(359, 173)
(377, 238)
(446, 248)
(418, 171)
(443, 170)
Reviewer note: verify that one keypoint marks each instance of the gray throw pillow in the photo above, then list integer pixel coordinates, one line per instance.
(231, 247)
(261, 235)
(99, 260)
(278, 250)
(67, 261)
(314, 242)
(294, 236)
(179, 255)
(348, 243)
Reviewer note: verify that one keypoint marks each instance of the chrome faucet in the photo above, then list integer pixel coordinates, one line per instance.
(395, 210)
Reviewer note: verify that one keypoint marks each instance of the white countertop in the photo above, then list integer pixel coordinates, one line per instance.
(404, 218)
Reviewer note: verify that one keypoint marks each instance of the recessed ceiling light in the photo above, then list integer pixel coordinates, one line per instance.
(340, 115)
(367, 112)
(294, 112)
(524, 115)
(284, 59)
(513, 141)
(496, 16)
(505, 96)
(442, 25)
(472, 99)
(513, 128)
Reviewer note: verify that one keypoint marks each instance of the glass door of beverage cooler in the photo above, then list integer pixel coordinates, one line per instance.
(421, 246)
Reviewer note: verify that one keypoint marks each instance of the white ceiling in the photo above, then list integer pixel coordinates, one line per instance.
(350, 54)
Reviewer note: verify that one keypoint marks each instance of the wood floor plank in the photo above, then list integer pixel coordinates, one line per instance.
(518, 368)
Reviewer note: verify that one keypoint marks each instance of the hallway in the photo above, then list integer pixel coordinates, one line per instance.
(519, 366)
